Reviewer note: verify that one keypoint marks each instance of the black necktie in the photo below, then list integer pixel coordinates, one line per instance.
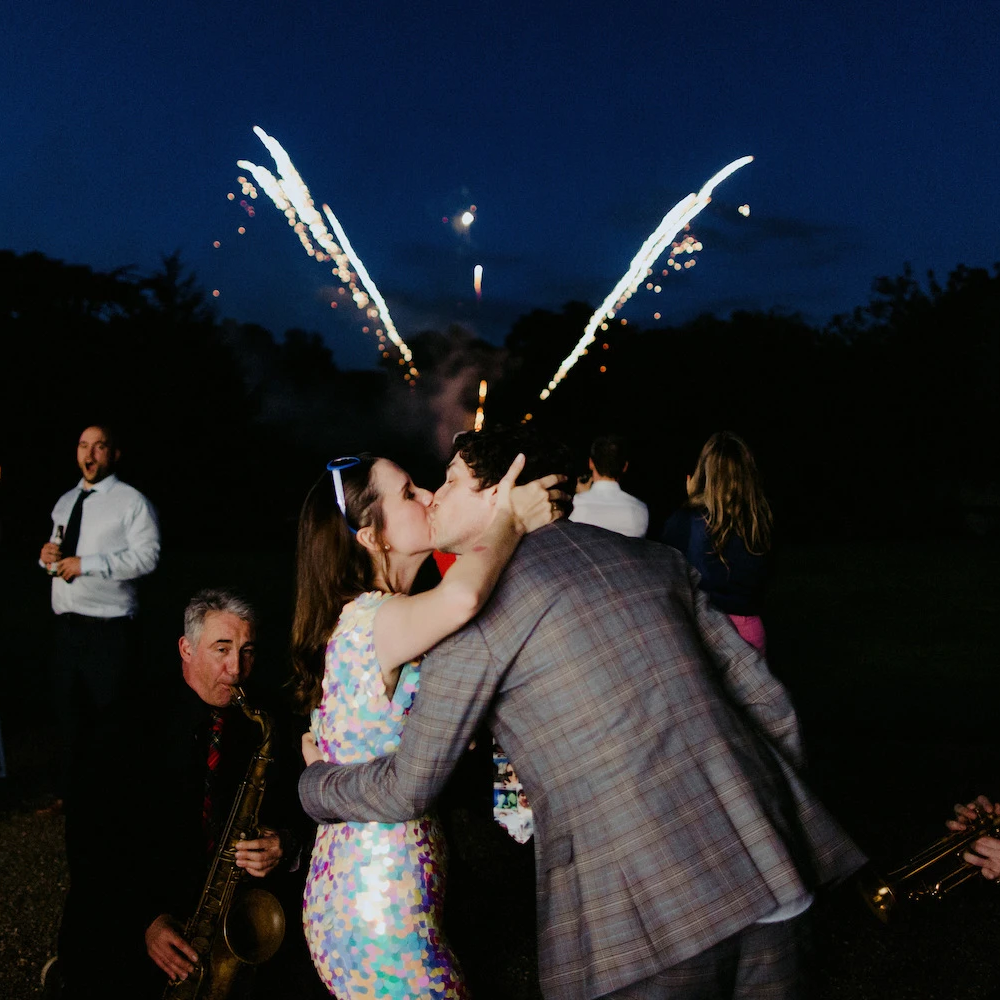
(72, 535)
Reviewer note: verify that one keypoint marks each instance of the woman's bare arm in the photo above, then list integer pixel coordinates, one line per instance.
(407, 626)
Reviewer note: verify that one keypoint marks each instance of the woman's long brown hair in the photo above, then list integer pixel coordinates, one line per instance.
(331, 569)
(727, 486)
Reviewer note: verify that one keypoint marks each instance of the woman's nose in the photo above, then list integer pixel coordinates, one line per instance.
(426, 497)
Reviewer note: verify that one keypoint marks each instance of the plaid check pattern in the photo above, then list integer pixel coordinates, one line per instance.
(662, 759)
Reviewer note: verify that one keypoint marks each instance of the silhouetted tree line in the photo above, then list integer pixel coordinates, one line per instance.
(882, 423)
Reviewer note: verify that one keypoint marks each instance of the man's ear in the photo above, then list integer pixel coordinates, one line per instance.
(185, 648)
(625, 468)
(118, 455)
(591, 466)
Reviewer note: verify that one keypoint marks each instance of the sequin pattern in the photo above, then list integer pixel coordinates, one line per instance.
(372, 907)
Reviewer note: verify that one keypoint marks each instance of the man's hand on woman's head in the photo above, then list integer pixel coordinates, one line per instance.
(534, 504)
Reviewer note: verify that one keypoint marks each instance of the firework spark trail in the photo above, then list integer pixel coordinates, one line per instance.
(292, 197)
(673, 222)
(376, 295)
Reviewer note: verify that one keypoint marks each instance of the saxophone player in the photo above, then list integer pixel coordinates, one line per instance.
(163, 809)
(217, 652)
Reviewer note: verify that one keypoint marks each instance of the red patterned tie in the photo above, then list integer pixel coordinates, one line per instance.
(212, 765)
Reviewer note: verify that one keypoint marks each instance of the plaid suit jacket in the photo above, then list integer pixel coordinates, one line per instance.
(661, 758)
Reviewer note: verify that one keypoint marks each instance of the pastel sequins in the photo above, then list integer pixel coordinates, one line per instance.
(372, 907)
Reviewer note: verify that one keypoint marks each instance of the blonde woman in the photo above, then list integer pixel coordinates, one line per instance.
(724, 529)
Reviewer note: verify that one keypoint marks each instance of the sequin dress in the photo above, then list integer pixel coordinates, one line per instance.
(372, 906)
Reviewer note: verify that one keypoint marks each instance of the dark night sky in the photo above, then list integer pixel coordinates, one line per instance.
(572, 127)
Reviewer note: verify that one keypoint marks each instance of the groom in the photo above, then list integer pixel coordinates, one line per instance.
(676, 845)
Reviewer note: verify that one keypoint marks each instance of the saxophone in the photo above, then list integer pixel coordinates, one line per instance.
(232, 926)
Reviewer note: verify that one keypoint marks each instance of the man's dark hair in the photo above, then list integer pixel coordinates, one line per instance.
(609, 453)
(108, 430)
(488, 454)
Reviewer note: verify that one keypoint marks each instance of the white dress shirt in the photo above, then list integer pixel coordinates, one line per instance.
(119, 542)
(607, 505)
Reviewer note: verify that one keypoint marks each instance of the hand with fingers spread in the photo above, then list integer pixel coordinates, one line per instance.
(166, 946)
(534, 504)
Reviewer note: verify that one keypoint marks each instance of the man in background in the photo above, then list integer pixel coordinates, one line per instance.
(105, 537)
(605, 503)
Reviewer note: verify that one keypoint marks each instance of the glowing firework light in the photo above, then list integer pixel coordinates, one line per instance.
(477, 281)
(291, 196)
(480, 414)
(366, 280)
(673, 222)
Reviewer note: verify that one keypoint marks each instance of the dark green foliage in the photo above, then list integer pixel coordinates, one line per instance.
(882, 423)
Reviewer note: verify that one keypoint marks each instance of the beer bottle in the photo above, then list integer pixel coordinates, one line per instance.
(50, 568)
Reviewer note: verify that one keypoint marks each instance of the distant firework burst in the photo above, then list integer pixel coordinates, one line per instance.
(673, 222)
(480, 410)
(291, 196)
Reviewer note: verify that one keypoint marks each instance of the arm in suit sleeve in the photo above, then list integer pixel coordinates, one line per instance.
(457, 683)
(746, 678)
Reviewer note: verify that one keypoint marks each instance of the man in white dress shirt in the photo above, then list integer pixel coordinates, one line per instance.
(606, 504)
(104, 537)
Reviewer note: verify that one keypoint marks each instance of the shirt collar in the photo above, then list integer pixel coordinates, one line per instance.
(102, 487)
(604, 485)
